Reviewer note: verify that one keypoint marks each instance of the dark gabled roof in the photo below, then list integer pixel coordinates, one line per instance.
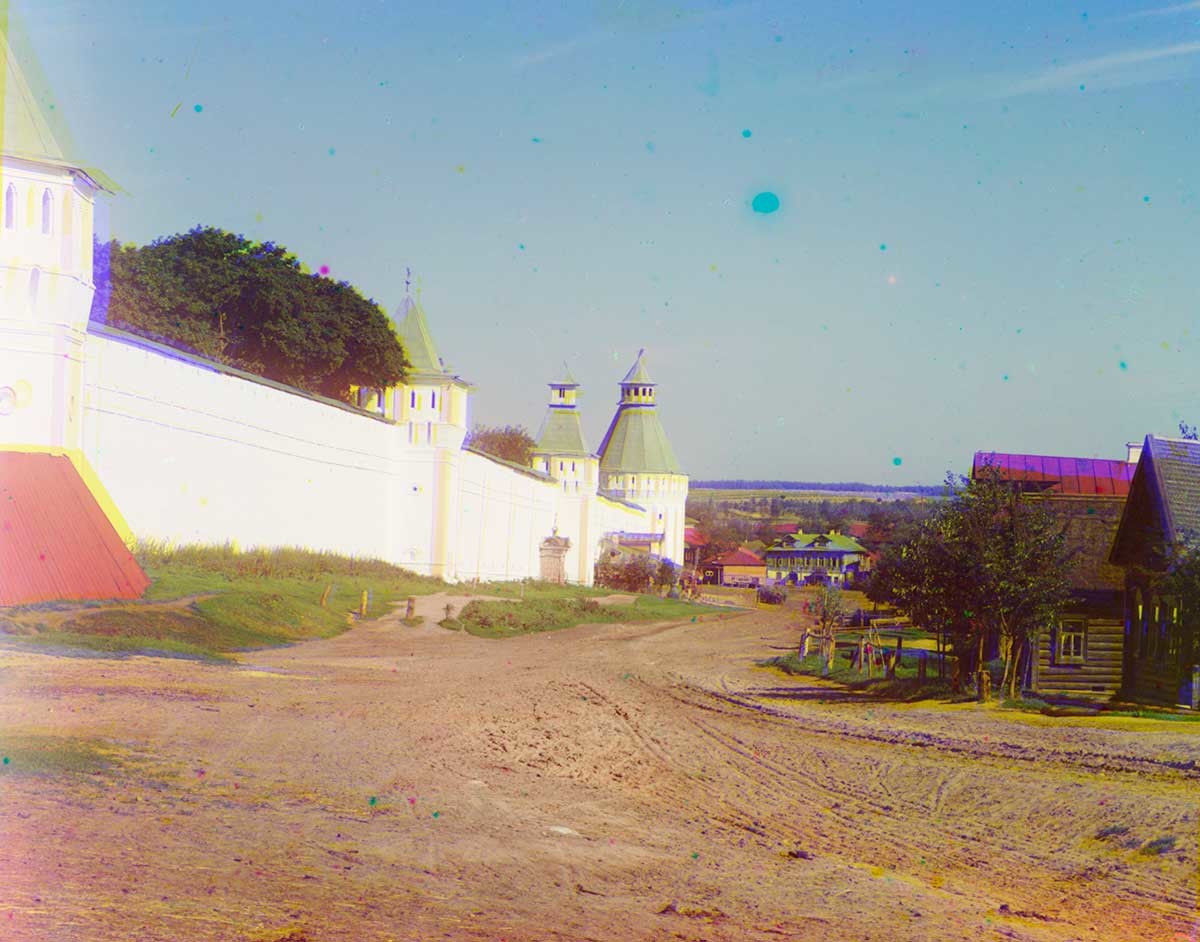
(1059, 475)
(1163, 509)
(55, 541)
(1176, 466)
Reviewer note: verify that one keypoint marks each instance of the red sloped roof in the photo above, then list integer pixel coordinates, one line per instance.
(738, 557)
(858, 529)
(55, 542)
(1057, 475)
(785, 528)
(693, 537)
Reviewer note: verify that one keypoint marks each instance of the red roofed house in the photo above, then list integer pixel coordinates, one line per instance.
(693, 540)
(55, 541)
(1080, 656)
(738, 567)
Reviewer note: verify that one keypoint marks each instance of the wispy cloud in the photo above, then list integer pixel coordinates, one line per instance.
(1115, 69)
(636, 18)
(1172, 10)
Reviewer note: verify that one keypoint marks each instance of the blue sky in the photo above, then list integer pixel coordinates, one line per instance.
(986, 233)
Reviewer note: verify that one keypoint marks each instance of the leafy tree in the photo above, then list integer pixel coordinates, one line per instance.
(987, 569)
(509, 443)
(830, 611)
(633, 573)
(249, 305)
(1190, 432)
(666, 575)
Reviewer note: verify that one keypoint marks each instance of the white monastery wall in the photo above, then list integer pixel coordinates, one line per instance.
(190, 454)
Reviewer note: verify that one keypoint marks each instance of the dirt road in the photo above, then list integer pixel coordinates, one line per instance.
(607, 783)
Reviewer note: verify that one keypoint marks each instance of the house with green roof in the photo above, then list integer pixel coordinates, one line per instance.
(816, 558)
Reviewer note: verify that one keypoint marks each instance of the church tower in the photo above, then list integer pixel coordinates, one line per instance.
(637, 463)
(46, 219)
(560, 450)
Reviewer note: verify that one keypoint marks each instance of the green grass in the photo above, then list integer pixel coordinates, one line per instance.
(232, 601)
(1160, 845)
(24, 754)
(904, 686)
(506, 619)
(534, 589)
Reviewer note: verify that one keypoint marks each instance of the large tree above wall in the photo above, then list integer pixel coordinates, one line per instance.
(249, 305)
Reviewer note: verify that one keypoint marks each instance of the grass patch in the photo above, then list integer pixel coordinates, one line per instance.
(534, 589)
(1114, 830)
(904, 686)
(52, 756)
(1160, 845)
(505, 619)
(207, 601)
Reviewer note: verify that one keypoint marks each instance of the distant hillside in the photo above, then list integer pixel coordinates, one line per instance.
(923, 490)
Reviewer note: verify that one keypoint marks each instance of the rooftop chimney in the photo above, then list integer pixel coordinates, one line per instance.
(1133, 451)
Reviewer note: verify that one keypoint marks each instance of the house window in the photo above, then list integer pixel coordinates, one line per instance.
(10, 207)
(412, 400)
(433, 400)
(1070, 647)
(47, 211)
(572, 466)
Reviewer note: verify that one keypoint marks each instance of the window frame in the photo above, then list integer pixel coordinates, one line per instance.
(1073, 628)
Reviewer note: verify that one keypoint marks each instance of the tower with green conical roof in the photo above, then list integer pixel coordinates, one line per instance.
(638, 464)
(560, 450)
(432, 401)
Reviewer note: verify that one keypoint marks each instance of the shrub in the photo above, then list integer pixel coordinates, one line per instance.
(771, 596)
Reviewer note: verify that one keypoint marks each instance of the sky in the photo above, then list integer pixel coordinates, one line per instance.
(856, 244)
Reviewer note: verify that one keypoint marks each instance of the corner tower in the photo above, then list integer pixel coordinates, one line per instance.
(637, 463)
(432, 402)
(47, 202)
(560, 450)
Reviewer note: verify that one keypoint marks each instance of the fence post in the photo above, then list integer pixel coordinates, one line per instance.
(362, 606)
(411, 607)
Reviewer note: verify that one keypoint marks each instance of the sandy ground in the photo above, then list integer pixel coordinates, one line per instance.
(605, 782)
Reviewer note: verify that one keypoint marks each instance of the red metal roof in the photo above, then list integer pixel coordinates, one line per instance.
(55, 542)
(1056, 475)
(693, 537)
(785, 528)
(738, 557)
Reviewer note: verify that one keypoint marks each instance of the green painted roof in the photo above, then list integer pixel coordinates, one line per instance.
(24, 131)
(561, 434)
(637, 374)
(805, 541)
(417, 340)
(567, 378)
(636, 443)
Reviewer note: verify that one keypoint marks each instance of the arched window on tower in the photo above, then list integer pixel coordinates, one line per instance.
(10, 207)
(47, 212)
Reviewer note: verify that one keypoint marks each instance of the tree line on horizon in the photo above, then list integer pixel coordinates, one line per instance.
(739, 484)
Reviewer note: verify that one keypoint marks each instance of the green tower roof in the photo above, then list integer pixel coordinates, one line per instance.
(637, 375)
(24, 131)
(561, 433)
(635, 441)
(418, 341)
